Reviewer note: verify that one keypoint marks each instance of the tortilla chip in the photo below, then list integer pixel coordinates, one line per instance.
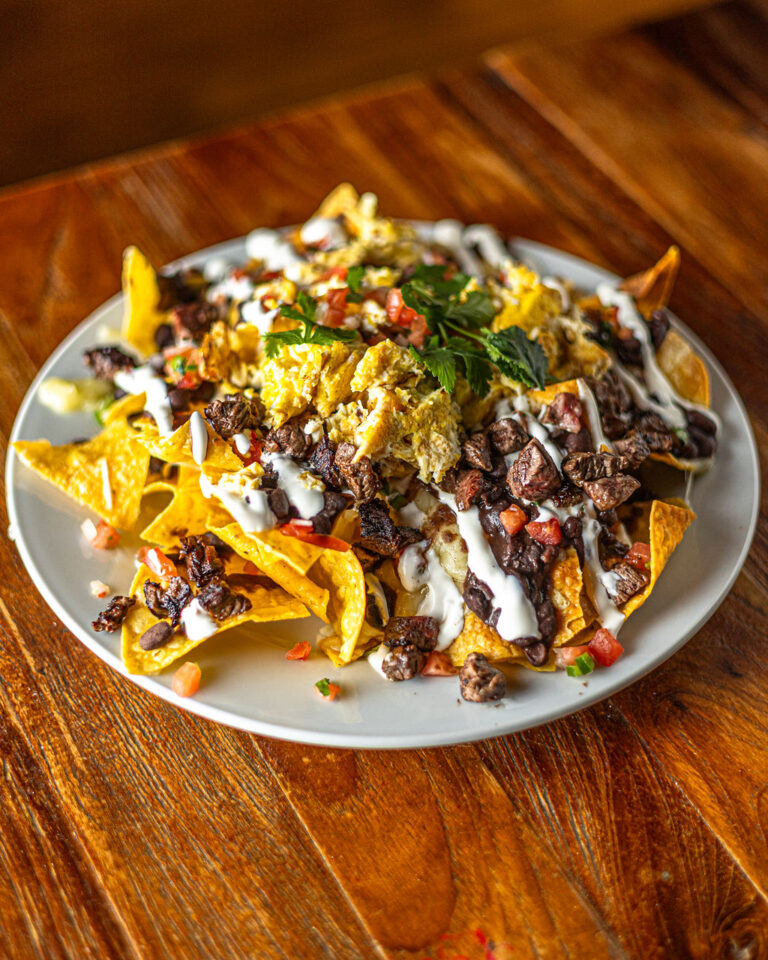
(142, 314)
(342, 199)
(684, 368)
(124, 407)
(541, 398)
(341, 574)
(652, 288)
(567, 588)
(267, 604)
(276, 567)
(663, 524)
(106, 474)
(331, 646)
(177, 447)
(478, 637)
(185, 516)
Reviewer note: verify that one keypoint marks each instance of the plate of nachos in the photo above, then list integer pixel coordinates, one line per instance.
(374, 483)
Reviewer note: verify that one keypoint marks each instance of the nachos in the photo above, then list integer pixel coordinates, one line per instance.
(444, 457)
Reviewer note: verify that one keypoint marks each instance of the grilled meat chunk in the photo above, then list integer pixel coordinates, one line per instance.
(507, 436)
(168, 601)
(234, 414)
(565, 412)
(106, 362)
(358, 475)
(379, 532)
(580, 467)
(630, 581)
(111, 618)
(403, 663)
(221, 602)
(609, 492)
(419, 632)
(479, 681)
(533, 475)
(476, 450)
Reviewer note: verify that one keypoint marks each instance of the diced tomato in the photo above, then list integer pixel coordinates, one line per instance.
(337, 307)
(419, 330)
(605, 648)
(99, 589)
(183, 366)
(253, 455)
(546, 532)
(397, 312)
(251, 569)
(340, 272)
(299, 651)
(327, 690)
(186, 680)
(101, 535)
(157, 562)
(438, 665)
(565, 656)
(302, 530)
(513, 519)
(639, 555)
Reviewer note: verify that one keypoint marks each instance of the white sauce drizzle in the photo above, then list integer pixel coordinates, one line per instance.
(323, 232)
(216, 269)
(273, 250)
(255, 314)
(595, 424)
(299, 486)
(608, 613)
(376, 658)
(198, 624)
(554, 284)
(231, 287)
(448, 233)
(199, 434)
(243, 443)
(488, 243)
(249, 508)
(412, 516)
(668, 404)
(518, 617)
(418, 568)
(539, 432)
(145, 380)
(106, 485)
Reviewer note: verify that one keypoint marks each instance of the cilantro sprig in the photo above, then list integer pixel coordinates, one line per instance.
(460, 340)
(308, 331)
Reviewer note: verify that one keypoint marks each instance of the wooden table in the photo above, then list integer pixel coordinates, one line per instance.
(635, 829)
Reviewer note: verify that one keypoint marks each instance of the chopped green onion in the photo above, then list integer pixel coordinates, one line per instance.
(102, 408)
(581, 666)
(323, 686)
(177, 365)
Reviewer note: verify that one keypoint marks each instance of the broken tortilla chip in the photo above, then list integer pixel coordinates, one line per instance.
(274, 566)
(106, 474)
(141, 290)
(653, 287)
(185, 516)
(267, 604)
(684, 368)
(339, 571)
(177, 447)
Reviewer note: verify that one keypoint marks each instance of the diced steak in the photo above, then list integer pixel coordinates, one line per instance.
(507, 436)
(194, 319)
(322, 463)
(634, 448)
(113, 615)
(479, 681)
(358, 475)
(469, 487)
(631, 581)
(378, 531)
(333, 504)
(476, 450)
(611, 491)
(106, 362)
(222, 603)
(234, 414)
(533, 475)
(403, 663)
(565, 412)
(202, 560)
(167, 601)
(580, 467)
(290, 439)
(656, 434)
(419, 632)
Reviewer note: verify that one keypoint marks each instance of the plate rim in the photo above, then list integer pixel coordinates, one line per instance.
(351, 739)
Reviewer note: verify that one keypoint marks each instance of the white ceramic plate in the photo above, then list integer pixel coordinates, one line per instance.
(247, 683)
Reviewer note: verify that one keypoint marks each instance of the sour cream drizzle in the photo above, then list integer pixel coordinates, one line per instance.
(419, 568)
(517, 617)
(250, 508)
(106, 486)
(323, 232)
(145, 380)
(594, 422)
(233, 287)
(254, 313)
(488, 243)
(242, 442)
(608, 613)
(297, 484)
(272, 249)
(449, 234)
(199, 434)
(668, 404)
(198, 624)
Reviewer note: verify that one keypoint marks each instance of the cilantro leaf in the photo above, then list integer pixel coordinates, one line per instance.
(518, 357)
(355, 278)
(477, 310)
(440, 361)
(307, 332)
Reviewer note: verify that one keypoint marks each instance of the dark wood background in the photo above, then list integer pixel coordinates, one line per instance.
(636, 829)
(82, 79)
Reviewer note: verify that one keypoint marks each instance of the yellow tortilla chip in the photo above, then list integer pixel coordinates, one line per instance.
(653, 287)
(478, 637)
(341, 574)
(274, 566)
(124, 407)
(662, 524)
(341, 200)
(106, 474)
(684, 368)
(331, 646)
(267, 604)
(541, 398)
(186, 515)
(142, 314)
(177, 447)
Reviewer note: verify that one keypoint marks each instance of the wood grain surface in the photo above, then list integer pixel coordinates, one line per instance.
(636, 829)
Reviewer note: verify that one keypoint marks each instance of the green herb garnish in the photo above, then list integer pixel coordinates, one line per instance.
(581, 666)
(101, 409)
(323, 686)
(354, 282)
(308, 330)
(461, 341)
